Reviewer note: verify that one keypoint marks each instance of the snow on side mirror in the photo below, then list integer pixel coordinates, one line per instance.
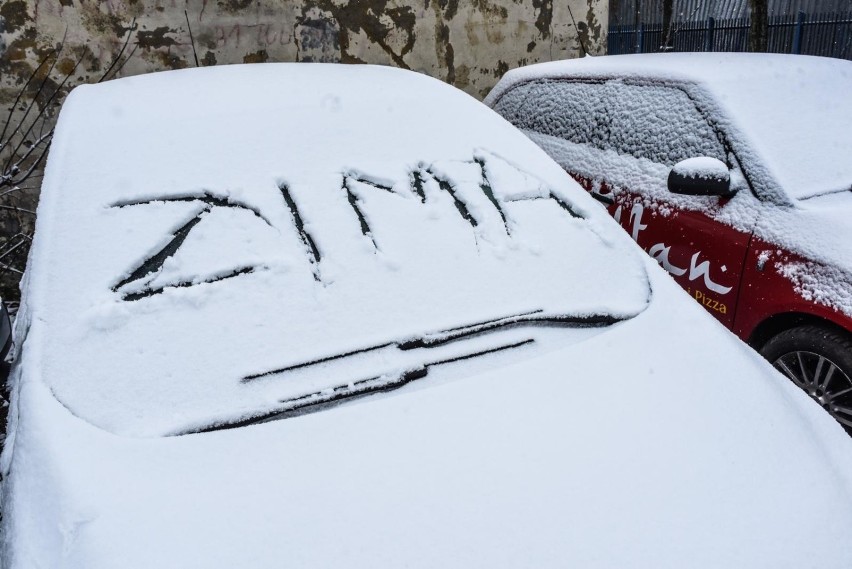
(702, 176)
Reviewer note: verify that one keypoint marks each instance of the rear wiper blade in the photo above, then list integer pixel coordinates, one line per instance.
(440, 338)
(536, 317)
(330, 397)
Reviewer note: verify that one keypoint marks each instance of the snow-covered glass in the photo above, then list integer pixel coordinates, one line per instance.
(659, 123)
(573, 111)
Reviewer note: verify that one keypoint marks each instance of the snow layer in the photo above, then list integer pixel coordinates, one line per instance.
(791, 113)
(644, 121)
(702, 167)
(659, 443)
(192, 256)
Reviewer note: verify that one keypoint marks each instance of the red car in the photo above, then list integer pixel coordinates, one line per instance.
(734, 171)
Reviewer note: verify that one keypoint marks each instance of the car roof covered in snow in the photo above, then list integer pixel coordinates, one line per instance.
(218, 245)
(790, 113)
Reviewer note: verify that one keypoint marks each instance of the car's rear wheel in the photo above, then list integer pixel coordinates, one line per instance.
(818, 359)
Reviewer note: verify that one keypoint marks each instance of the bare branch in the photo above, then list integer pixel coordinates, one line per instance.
(6, 267)
(15, 208)
(35, 164)
(126, 59)
(42, 111)
(683, 22)
(16, 167)
(34, 101)
(18, 234)
(18, 98)
(579, 37)
(17, 188)
(29, 108)
(9, 177)
(191, 40)
(120, 52)
(13, 249)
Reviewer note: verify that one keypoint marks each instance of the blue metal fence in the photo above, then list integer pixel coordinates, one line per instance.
(828, 35)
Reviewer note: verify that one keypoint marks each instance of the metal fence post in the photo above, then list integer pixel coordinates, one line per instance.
(798, 31)
(708, 33)
(639, 37)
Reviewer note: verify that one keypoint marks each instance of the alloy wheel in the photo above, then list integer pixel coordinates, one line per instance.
(822, 380)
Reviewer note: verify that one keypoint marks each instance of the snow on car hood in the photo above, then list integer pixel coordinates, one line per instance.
(792, 113)
(217, 245)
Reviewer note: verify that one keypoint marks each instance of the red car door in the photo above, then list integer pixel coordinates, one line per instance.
(703, 255)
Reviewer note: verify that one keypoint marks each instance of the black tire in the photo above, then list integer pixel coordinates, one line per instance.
(818, 359)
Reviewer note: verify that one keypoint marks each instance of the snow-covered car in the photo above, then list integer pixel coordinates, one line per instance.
(731, 170)
(346, 316)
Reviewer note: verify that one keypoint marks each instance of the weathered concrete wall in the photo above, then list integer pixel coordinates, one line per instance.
(469, 44)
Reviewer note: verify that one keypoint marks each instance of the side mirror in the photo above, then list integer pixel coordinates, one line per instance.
(701, 176)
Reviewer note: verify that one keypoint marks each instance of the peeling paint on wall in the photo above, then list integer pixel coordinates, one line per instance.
(438, 37)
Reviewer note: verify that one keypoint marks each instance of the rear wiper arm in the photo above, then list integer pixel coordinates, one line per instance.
(330, 397)
(435, 339)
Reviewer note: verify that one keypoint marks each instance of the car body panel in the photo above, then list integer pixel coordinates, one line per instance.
(768, 292)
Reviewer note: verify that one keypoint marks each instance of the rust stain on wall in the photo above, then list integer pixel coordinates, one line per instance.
(260, 56)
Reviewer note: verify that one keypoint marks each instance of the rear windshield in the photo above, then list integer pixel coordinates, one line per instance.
(253, 263)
